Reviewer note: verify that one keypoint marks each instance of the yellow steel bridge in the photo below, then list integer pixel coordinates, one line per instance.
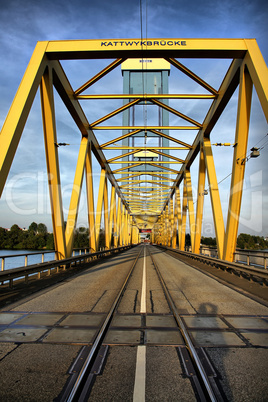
(152, 189)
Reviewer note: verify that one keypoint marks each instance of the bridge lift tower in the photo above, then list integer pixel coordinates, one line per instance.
(146, 76)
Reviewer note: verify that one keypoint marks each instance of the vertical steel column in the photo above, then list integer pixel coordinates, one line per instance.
(90, 200)
(175, 222)
(166, 226)
(99, 207)
(75, 196)
(126, 227)
(184, 214)
(178, 212)
(119, 220)
(129, 228)
(112, 223)
(171, 220)
(200, 202)
(53, 171)
(106, 215)
(115, 223)
(239, 162)
(153, 235)
(122, 230)
(190, 206)
(163, 228)
(214, 196)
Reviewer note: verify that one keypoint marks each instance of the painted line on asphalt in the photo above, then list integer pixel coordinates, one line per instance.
(140, 376)
(143, 287)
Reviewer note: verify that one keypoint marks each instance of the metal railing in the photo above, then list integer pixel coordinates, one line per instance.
(232, 267)
(25, 255)
(42, 253)
(25, 272)
(248, 257)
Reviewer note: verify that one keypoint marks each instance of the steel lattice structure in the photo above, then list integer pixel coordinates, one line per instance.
(166, 213)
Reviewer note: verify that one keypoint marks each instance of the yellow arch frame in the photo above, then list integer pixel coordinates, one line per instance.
(247, 69)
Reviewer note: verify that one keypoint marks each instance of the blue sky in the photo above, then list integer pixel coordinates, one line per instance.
(25, 198)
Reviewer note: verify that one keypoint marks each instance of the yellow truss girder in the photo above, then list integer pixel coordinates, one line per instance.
(147, 97)
(140, 128)
(247, 69)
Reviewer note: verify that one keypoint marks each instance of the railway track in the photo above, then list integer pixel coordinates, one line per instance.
(90, 361)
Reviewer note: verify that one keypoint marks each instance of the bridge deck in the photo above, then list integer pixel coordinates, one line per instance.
(42, 335)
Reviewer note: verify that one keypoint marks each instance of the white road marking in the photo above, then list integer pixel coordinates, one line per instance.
(140, 376)
(139, 387)
(143, 287)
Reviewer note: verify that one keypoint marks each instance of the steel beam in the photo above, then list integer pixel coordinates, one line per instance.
(52, 161)
(200, 202)
(20, 109)
(214, 196)
(75, 196)
(90, 200)
(190, 205)
(239, 162)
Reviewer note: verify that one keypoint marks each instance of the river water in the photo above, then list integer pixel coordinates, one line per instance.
(15, 262)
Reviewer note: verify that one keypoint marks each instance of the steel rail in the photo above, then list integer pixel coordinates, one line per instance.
(196, 360)
(98, 340)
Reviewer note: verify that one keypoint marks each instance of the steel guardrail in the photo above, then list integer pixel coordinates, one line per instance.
(251, 272)
(10, 275)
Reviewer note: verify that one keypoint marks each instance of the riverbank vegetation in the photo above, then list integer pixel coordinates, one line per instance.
(244, 241)
(37, 237)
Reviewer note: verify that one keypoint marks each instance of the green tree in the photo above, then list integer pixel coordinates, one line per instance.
(41, 228)
(15, 236)
(3, 237)
(33, 227)
(50, 242)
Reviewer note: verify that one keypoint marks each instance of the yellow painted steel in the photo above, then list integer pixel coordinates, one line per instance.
(146, 162)
(106, 215)
(178, 216)
(112, 216)
(214, 196)
(99, 206)
(114, 113)
(176, 112)
(258, 72)
(182, 224)
(239, 162)
(200, 202)
(190, 205)
(90, 200)
(171, 222)
(98, 76)
(52, 161)
(20, 108)
(75, 196)
(193, 76)
(118, 237)
(140, 148)
(142, 64)
(121, 156)
(135, 206)
(149, 128)
(120, 138)
(146, 96)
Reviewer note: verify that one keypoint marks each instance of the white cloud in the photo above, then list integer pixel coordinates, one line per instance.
(61, 19)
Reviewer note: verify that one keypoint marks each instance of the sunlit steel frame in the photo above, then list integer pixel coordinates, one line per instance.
(247, 69)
